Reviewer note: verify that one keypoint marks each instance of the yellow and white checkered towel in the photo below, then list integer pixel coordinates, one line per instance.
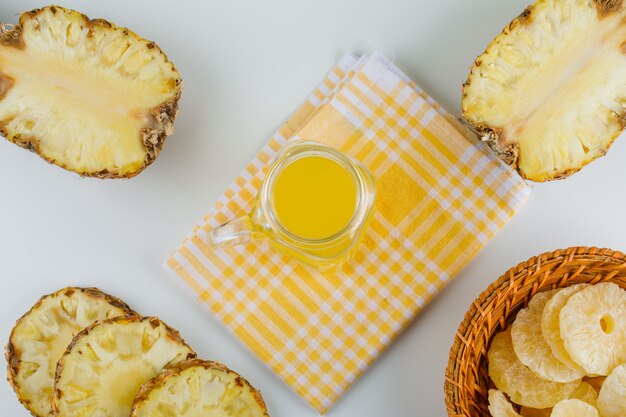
(441, 197)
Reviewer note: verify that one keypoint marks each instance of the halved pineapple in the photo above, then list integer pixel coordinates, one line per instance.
(549, 93)
(198, 388)
(84, 94)
(41, 336)
(106, 364)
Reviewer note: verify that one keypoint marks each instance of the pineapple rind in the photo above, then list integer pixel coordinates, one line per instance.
(198, 388)
(40, 337)
(547, 98)
(84, 94)
(106, 364)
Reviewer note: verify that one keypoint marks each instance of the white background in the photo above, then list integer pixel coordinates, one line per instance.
(246, 66)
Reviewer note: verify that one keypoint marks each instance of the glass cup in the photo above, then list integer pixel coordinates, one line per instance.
(264, 222)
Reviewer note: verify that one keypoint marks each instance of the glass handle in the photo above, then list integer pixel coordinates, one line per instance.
(232, 233)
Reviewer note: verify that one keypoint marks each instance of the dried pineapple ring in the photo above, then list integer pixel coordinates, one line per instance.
(593, 327)
(41, 336)
(612, 398)
(522, 385)
(584, 392)
(499, 406)
(574, 408)
(530, 346)
(107, 363)
(198, 388)
(551, 325)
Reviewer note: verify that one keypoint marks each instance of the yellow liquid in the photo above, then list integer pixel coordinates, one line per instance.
(314, 197)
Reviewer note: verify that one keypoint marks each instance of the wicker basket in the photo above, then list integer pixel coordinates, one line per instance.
(467, 381)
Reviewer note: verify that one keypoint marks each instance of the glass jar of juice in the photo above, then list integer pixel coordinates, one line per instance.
(313, 205)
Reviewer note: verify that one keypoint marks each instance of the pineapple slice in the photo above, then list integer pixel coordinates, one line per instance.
(197, 388)
(574, 408)
(41, 336)
(549, 93)
(106, 364)
(531, 347)
(593, 328)
(612, 398)
(499, 406)
(84, 94)
(523, 386)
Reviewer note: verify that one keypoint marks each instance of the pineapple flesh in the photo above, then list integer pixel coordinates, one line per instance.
(84, 94)
(549, 93)
(40, 337)
(198, 388)
(106, 364)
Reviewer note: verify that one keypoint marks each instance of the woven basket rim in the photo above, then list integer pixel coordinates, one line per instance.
(528, 277)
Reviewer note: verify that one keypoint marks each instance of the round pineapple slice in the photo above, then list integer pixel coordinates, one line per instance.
(549, 92)
(522, 385)
(593, 327)
(41, 336)
(574, 408)
(551, 325)
(106, 364)
(532, 349)
(499, 406)
(612, 398)
(84, 94)
(198, 388)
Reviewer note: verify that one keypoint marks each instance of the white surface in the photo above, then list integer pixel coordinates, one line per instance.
(247, 65)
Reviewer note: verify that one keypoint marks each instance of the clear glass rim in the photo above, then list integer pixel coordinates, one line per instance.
(300, 149)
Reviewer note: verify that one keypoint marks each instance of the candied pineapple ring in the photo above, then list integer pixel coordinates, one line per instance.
(532, 349)
(522, 385)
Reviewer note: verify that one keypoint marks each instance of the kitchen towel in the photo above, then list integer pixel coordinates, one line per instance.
(440, 197)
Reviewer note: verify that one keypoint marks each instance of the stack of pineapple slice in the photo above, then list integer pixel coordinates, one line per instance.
(84, 94)
(549, 93)
(82, 353)
(564, 355)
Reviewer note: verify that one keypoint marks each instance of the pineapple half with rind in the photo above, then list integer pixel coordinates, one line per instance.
(85, 94)
(107, 363)
(42, 335)
(549, 93)
(198, 388)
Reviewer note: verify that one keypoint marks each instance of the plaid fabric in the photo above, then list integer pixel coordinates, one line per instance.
(440, 199)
